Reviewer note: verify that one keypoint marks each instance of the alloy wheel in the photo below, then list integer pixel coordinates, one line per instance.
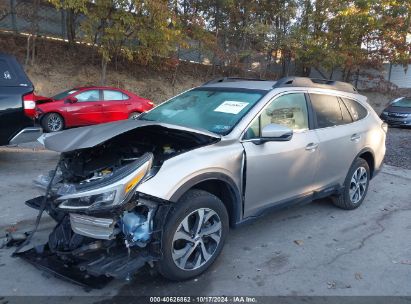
(196, 239)
(358, 185)
(55, 123)
(134, 116)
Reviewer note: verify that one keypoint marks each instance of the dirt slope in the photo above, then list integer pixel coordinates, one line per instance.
(58, 68)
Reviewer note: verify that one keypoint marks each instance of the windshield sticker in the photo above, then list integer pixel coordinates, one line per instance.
(231, 107)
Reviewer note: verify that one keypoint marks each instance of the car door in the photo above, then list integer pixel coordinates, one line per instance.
(87, 110)
(116, 105)
(341, 139)
(279, 171)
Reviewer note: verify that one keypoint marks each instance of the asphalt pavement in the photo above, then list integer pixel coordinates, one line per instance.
(312, 250)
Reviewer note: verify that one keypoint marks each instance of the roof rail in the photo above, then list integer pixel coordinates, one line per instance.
(315, 83)
(232, 79)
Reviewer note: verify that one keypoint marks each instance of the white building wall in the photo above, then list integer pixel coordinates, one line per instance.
(400, 76)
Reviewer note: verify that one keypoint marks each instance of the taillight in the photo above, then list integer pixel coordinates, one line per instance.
(384, 126)
(29, 105)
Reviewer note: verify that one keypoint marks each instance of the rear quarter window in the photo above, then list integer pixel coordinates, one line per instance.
(357, 110)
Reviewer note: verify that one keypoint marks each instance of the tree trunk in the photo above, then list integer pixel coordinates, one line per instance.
(173, 81)
(103, 71)
(27, 50)
(70, 26)
(33, 50)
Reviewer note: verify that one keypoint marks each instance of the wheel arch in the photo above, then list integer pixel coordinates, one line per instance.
(219, 185)
(52, 112)
(368, 155)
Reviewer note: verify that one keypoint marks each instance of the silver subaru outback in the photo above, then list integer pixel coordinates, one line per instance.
(162, 191)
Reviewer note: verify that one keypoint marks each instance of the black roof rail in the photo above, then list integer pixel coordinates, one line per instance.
(232, 79)
(315, 83)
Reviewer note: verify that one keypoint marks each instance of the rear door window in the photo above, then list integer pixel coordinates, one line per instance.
(328, 111)
(113, 95)
(356, 109)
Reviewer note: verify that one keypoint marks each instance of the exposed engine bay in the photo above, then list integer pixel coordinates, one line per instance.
(105, 228)
(99, 162)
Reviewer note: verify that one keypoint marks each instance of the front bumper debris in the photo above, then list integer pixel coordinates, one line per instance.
(42, 258)
(91, 262)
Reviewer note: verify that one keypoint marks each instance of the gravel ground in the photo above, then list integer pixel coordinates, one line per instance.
(398, 148)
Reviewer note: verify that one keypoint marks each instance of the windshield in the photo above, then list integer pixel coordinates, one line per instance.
(403, 103)
(214, 109)
(64, 94)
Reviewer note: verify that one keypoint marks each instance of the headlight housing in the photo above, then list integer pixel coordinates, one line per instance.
(113, 191)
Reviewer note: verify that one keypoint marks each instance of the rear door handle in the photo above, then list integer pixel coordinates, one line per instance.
(311, 147)
(355, 137)
(127, 103)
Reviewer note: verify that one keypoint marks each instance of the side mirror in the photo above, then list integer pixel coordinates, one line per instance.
(274, 132)
(71, 100)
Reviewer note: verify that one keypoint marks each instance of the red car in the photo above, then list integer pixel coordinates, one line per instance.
(88, 106)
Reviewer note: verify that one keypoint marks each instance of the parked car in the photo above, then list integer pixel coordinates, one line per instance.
(398, 112)
(85, 106)
(16, 102)
(163, 190)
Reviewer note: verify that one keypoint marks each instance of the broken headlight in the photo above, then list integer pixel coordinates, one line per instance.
(110, 192)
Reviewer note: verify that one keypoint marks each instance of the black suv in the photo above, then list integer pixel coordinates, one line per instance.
(16, 97)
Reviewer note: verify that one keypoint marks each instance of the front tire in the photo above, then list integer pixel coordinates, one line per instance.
(355, 186)
(194, 235)
(52, 122)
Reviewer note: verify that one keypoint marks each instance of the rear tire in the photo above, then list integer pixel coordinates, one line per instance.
(355, 186)
(134, 115)
(52, 122)
(189, 248)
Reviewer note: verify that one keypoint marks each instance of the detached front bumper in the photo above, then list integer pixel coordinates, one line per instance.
(74, 255)
(26, 135)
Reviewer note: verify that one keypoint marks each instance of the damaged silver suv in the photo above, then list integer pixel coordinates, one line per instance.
(164, 189)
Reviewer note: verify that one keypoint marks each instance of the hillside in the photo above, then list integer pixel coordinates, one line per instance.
(58, 68)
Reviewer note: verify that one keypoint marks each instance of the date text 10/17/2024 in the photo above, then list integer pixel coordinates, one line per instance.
(204, 299)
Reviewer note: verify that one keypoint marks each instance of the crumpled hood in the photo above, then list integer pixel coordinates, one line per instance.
(87, 137)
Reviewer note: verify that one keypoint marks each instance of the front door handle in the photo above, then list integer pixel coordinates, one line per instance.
(311, 147)
(355, 137)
